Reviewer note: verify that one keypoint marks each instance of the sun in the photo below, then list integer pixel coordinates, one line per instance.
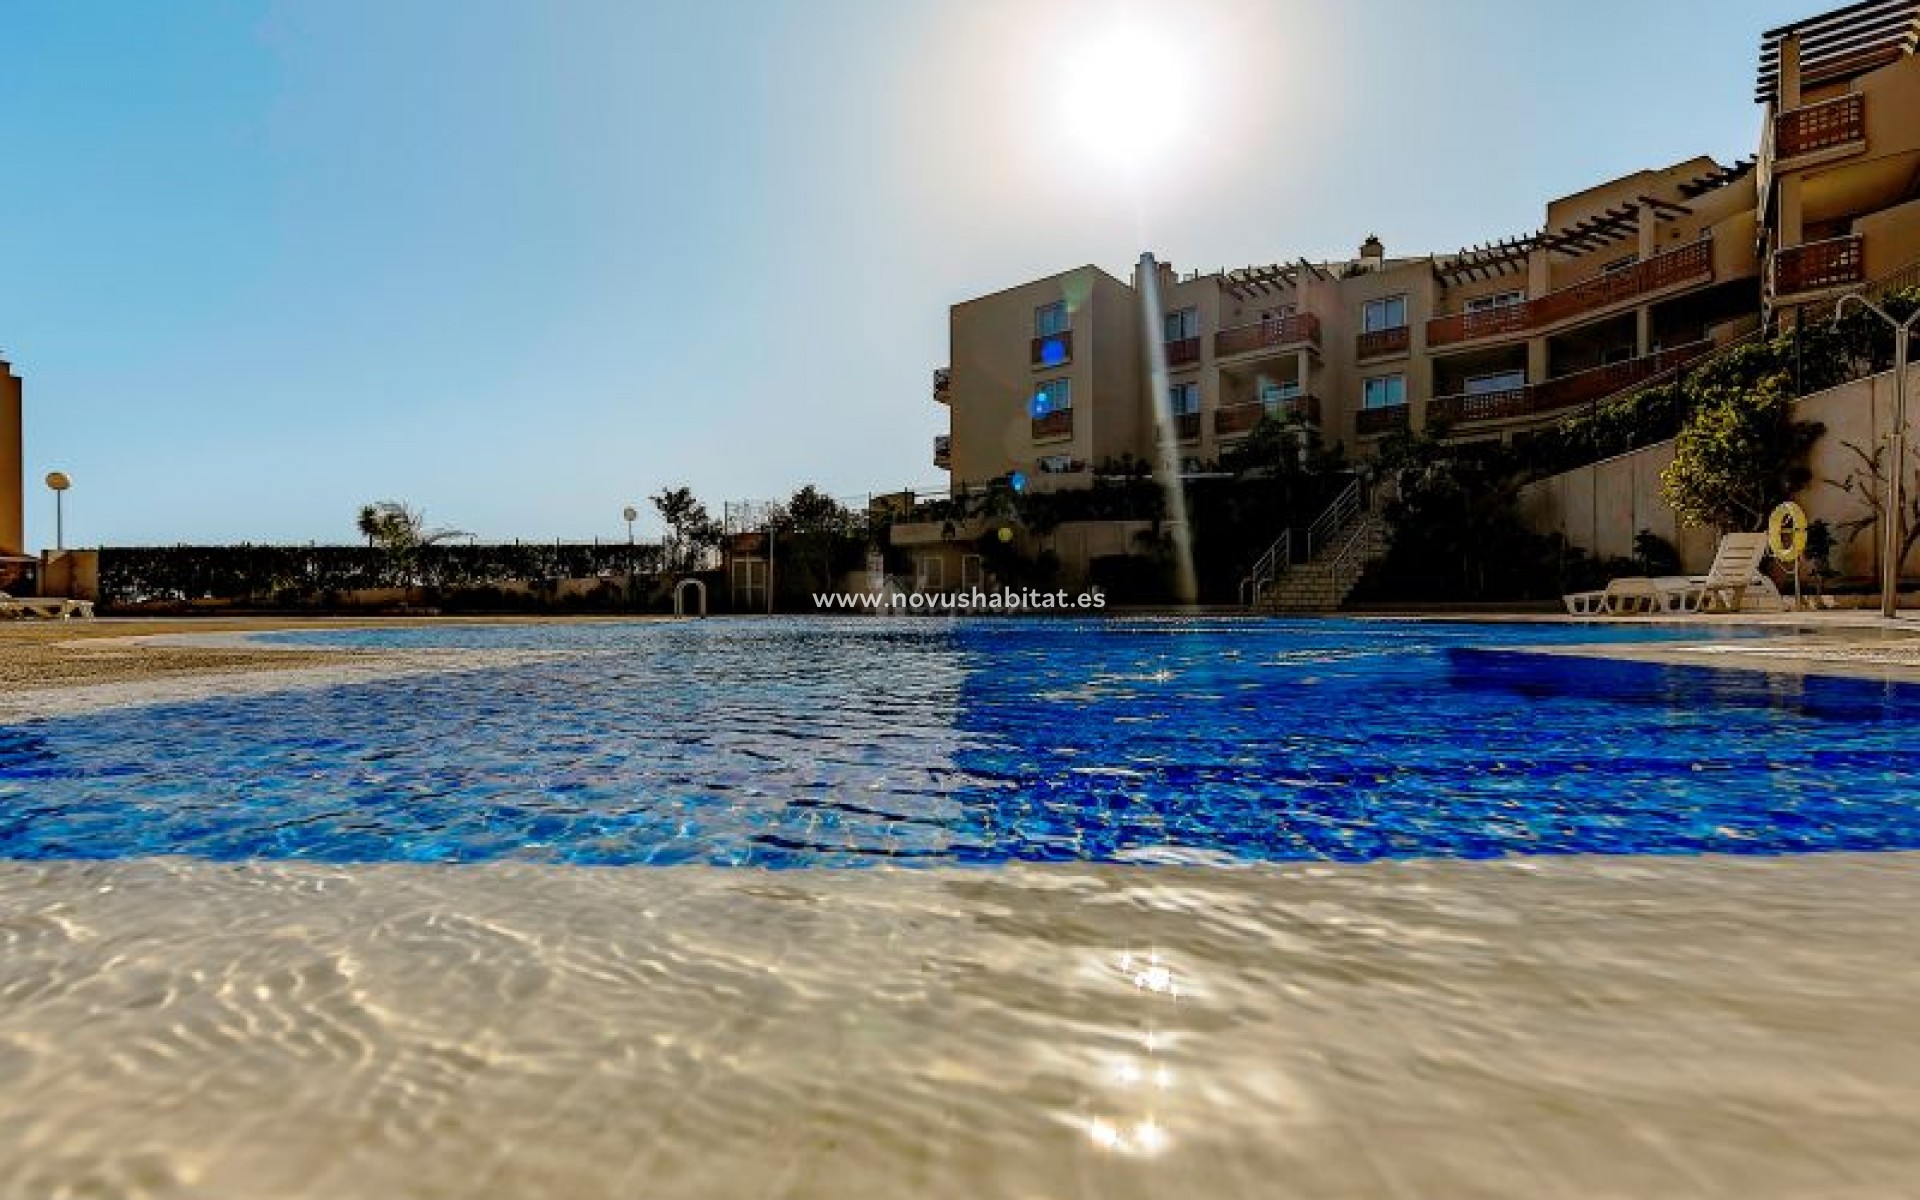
(1126, 96)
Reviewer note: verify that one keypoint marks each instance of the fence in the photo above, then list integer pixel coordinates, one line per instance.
(135, 575)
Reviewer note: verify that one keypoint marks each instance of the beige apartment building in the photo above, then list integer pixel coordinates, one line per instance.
(1839, 177)
(1623, 284)
(13, 469)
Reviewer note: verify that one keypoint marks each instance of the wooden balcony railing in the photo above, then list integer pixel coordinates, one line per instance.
(1840, 121)
(1053, 350)
(943, 384)
(1816, 266)
(943, 450)
(1691, 263)
(1468, 326)
(1580, 387)
(1186, 426)
(1384, 419)
(1481, 406)
(1597, 382)
(1058, 423)
(1183, 351)
(1376, 342)
(1300, 329)
(1238, 418)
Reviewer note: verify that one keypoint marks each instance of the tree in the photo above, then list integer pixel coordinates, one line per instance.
(400, 527)
(693, 530)
(1867, 483)
(401, 530)
(1739, 454)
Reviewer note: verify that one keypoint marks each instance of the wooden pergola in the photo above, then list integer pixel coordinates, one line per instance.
(1840, 44)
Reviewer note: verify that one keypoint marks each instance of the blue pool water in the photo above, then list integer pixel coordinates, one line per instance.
(834, 743)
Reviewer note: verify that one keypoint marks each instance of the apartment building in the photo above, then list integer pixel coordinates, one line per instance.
(13, 468)
(1839, 179)
(1623, 283)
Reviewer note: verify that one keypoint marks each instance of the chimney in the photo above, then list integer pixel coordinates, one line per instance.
(1373, 254)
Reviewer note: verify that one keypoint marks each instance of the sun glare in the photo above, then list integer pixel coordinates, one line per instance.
(1126, 97)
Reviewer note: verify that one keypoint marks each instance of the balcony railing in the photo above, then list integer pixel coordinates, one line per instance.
(943, 384)
(1691, 263)
(1376, 342)
(1058, 423)
(1565, 391)
(1816, 266)
(1596, 382)
(1481, 406)
(1186, 426)
(1238, 418)
(1274, 333)
(943, 450)
(1840, 121)
(1183, 351)
(1384, 419)
(1053, 349)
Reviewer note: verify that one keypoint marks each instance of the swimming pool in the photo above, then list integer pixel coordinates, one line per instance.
(833, 743)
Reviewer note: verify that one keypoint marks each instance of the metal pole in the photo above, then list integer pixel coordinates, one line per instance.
(59, 521)
(1890, 573)
(1896, 445)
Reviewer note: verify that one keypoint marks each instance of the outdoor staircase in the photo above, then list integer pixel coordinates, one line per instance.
(1337, 550)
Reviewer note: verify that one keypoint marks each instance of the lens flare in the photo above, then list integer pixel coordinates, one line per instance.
(1126, 95)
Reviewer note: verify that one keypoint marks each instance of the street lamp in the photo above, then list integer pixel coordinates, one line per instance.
(1890, 536)
(59, 483)
(632, 514)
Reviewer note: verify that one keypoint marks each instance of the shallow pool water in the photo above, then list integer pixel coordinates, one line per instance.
(787, 743)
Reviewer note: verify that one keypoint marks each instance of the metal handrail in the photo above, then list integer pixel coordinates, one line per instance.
(1337, 514)
(1266, 568)
(1349, 551)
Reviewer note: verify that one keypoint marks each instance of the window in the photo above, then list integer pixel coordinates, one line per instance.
(1498, 300)
(1051, 396)
(1384, 391)
(1186, 399)
(1183, 325)
(1280, 313)
(1273, 392)
(929, 573)
(973, 572)
(1616, 354)
(1388, 312)
(1058, 464)
(1050, 319)
(1502, 381)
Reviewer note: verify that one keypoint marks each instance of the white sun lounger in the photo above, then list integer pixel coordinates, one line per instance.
(1724, 588)
(51, 608)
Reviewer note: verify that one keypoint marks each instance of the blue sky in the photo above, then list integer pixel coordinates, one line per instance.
(521, 263)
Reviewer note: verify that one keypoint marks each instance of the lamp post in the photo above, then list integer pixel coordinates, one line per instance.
(59, 484)
(1890, 535)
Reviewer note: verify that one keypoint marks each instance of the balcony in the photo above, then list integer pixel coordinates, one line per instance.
(1481, 406)
(1275, 333)
(943, 451)
(1186, 426)
(1239, 418)
(1053, 349)
(943, 384)
(1692, 263)
(1183, 352)
(1828, 125)
(1565, 391)
(1818, 266)
(1056, 424)
(1377, 342)
(1385, 419)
